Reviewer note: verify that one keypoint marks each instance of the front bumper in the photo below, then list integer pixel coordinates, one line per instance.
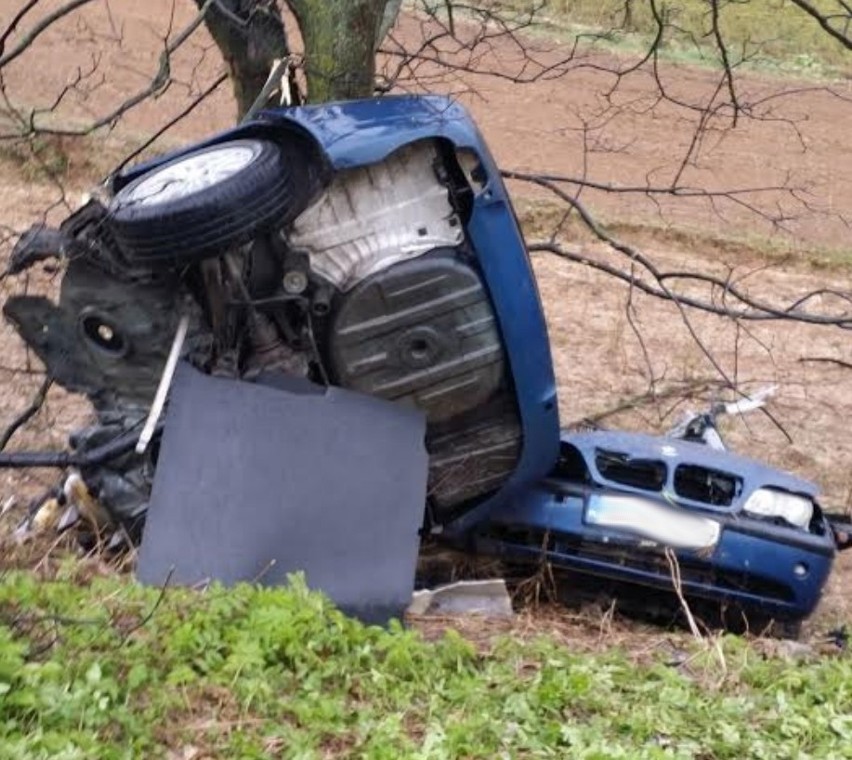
(762, 567)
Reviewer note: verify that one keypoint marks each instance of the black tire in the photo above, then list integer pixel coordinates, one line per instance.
(268, 190)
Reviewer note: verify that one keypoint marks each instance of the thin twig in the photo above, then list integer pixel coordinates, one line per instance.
(827, 360)
(28, 413)
(674, 569)
(150, 614)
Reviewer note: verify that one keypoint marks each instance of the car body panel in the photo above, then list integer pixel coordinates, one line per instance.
(753, 564)
(673, 452)
(795, 600)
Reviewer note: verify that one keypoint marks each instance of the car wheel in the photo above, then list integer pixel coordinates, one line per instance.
(205, 201)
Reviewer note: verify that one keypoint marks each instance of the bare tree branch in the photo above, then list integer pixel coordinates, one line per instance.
(33, 34)
(130, 157)
(827, 360)
(160, 81)
(751, 308)
(13, 24)
(28, 413)
(825, 20)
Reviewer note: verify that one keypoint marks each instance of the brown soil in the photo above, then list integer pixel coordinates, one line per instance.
(610, 345)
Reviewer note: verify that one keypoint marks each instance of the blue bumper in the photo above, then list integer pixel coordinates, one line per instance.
(777, 571)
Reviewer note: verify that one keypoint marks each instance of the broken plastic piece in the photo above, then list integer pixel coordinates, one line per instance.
(163, 388)
(485, 597)
(750, 403)
(38, 243)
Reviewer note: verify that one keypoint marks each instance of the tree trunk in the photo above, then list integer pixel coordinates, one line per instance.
(250, 35)
(340, 46)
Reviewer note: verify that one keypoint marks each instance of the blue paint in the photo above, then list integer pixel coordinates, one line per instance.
(673, 453)
(760, 554)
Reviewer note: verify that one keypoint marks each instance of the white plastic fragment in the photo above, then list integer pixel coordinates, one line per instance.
(8, 505)
(750, 403)
(485, 597)
(163, 387)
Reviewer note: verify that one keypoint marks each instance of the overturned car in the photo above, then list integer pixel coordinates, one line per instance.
(371, 246)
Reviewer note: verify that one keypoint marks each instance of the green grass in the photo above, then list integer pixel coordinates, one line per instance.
(107, 669)
(768, 33)
(540, 218)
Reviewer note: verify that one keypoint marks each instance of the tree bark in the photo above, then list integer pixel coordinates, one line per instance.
(250, 35)
(340, 39)
(389, 15)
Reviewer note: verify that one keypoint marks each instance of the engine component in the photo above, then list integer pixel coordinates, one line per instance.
(108, 337)
(375, 216)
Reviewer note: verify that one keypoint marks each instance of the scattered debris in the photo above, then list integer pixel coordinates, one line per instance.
(487, 597)
(702, 427)
(838, 638)
(8, 505)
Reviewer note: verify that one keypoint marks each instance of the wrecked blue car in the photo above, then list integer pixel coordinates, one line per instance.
(372, 246)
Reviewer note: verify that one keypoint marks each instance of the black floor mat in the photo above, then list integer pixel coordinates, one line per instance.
(256, 482)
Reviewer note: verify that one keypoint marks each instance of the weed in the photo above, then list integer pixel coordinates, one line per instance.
(37, 158)
(248, 672)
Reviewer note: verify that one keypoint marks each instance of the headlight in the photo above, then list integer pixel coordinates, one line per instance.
(765, 502)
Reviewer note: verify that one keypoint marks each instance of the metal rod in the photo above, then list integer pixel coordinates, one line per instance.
(163, 388)
(120, 446)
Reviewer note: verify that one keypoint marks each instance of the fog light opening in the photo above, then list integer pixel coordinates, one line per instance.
(801, 570)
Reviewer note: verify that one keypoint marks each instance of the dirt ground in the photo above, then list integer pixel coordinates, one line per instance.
(611, 346)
